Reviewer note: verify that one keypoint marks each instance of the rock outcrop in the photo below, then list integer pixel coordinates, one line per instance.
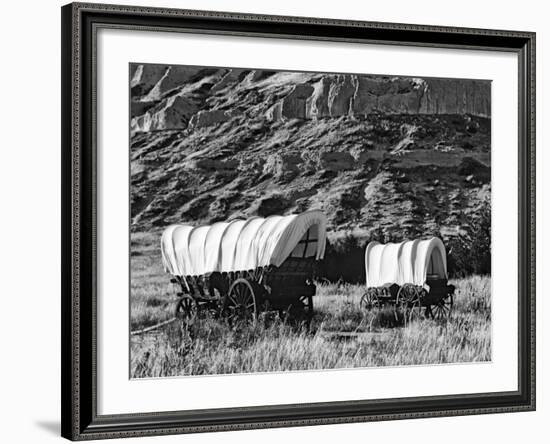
(213, 165)
(353, 95)
(172, 114)
(207, 118)
(280, 165)
(336, 161)
(293, 106)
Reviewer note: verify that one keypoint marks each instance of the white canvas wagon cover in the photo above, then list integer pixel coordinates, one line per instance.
(409, 262)
(242, 245)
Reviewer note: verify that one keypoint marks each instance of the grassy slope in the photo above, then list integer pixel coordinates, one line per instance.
(213, 347)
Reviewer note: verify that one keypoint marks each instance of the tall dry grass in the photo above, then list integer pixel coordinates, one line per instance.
(340, 334)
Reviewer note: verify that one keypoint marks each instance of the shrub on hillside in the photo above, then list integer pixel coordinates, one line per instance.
(344, 260)
(470, 252)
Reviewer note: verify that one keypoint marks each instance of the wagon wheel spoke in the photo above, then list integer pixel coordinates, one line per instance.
(238, 295)
(232, 315)
(243, 292)
(441, 310)
(243, 296)
(232, 310)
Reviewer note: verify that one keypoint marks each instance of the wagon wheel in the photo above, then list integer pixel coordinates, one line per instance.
(215, 305)
(370, 300)
(441, 310)
(186, 309)
(408, 302)
(241, 301)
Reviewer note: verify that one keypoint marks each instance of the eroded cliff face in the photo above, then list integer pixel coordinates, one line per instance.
(167, 97)
(352, 95)
(405, 156)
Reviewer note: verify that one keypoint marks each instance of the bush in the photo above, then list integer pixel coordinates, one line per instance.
(470, 252)
(344, 260)
(345, 257)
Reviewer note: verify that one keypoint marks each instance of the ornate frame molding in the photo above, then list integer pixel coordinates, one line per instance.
(79, 395)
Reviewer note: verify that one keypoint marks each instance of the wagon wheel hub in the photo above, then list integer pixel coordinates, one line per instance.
(186, 309)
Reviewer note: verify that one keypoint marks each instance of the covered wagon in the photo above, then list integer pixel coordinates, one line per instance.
(411, 275)
(241, 267)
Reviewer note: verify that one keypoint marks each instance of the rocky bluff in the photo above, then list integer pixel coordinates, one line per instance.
(161, 102)
(400, 156)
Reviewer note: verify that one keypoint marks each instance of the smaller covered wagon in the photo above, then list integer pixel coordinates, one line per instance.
(242, 267)
(411, 276)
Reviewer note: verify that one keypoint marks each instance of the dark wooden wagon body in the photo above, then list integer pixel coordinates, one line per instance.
(434, 299)
(243, 295)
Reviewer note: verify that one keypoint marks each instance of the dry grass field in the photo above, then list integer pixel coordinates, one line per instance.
(340, 334)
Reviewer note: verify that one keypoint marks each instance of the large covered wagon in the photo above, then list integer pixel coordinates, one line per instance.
(411, 276)
(241, 267)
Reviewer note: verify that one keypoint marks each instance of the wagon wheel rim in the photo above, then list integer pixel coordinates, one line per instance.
(241, 300)
(364, 302)
(186, 309)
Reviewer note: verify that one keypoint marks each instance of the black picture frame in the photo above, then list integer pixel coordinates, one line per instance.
(79, 396)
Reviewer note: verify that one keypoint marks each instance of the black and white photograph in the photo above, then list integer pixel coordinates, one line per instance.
(285, 221)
